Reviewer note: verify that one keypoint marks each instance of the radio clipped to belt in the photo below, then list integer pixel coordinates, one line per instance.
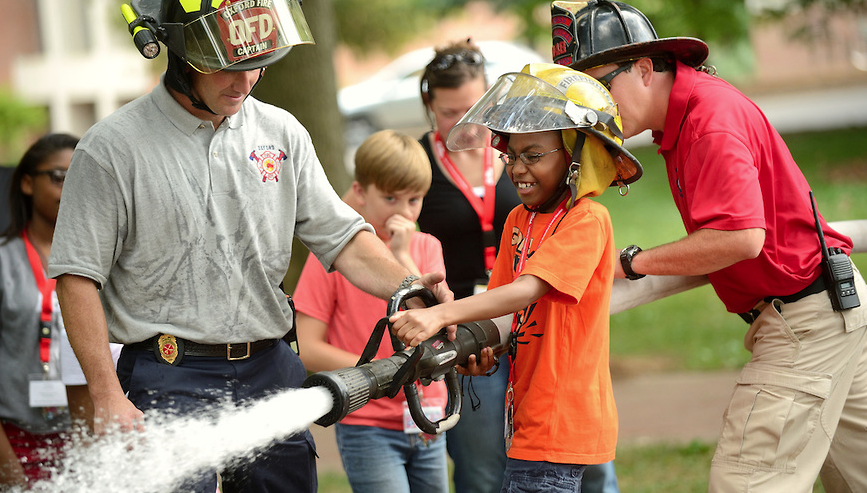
(837, 270)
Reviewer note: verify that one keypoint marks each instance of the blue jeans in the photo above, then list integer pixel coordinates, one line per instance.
(600, 478)
(524, 476)
(378, 460)
(476, 443)
(199, 383)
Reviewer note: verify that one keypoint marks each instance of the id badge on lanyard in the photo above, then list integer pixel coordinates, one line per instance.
(431, 410)
(45, 390)
(509, 431)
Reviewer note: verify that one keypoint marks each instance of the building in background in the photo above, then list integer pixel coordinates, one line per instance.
(73, 57)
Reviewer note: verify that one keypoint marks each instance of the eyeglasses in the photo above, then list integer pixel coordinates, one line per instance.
(468, 57)
(56, 175)
(605, 80)
(526, 157)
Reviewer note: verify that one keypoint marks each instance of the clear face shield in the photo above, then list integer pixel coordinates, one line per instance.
(520, 103)
(243, 30)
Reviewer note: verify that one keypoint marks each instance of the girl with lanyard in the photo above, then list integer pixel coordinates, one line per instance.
(469, 199)
(560, 136)
(33, 398)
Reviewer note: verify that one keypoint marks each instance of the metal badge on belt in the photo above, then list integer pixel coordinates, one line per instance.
(169, 350)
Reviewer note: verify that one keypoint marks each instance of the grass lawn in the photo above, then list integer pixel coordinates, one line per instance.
(692, 331)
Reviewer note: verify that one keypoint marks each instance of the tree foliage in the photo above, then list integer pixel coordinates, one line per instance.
(18, 121)
(387, 24)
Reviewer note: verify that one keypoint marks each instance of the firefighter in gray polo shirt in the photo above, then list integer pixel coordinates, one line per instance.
(176, 230)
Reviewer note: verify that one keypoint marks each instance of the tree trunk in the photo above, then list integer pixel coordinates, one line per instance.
(303, 83)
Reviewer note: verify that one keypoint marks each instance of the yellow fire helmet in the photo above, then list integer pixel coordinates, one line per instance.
(544, 97)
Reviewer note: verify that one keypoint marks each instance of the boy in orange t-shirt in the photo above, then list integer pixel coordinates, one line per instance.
(559, 132)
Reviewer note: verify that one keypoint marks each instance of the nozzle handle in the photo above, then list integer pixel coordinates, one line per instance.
(453, 411)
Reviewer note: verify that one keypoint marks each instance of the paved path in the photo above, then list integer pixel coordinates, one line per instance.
(653, 407)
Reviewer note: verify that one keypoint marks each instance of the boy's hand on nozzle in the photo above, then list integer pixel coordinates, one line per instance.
(478, 368)
(415, 326)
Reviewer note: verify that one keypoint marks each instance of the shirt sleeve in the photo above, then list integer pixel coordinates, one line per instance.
(88, 247)
(722, 184)
(569, 258)
(324, 223)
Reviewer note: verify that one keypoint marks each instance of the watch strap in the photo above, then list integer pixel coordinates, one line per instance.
(626, 256)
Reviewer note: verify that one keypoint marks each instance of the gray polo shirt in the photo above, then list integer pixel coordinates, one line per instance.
(189, 230)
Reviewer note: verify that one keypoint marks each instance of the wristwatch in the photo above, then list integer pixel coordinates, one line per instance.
(408, 280)
(626, 256)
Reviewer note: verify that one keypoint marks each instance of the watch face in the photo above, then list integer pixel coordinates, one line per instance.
(626, 256)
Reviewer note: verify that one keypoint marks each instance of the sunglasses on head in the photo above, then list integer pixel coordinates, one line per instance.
(468, 57)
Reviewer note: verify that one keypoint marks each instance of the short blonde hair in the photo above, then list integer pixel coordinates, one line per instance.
(393, 162)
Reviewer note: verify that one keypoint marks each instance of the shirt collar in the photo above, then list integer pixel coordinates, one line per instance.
(185, 121)
(681, 90)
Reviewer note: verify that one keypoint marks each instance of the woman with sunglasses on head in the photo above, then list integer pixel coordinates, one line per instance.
(465, 209)
(33, 398)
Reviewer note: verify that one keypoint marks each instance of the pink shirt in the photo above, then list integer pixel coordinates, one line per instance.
(729, 169)
(351, 315)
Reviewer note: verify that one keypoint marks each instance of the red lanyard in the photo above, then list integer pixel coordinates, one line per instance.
(528, 240)
(484, 207)
(522, 260)
(46, 287)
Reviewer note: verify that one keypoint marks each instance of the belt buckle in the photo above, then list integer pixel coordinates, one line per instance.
(229, 352)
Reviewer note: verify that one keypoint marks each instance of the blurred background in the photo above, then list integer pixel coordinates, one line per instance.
(69, 63)
(66, 64)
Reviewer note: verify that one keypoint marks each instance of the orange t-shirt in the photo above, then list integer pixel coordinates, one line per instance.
(564, 408)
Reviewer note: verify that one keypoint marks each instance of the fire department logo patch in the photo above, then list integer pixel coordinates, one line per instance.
(269, 163)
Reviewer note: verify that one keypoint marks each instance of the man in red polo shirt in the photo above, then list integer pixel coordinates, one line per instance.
(799, 405)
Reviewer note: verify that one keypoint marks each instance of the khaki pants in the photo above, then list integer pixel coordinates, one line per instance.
(800, 404)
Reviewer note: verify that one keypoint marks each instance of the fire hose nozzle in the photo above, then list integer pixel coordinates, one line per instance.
(353, 387)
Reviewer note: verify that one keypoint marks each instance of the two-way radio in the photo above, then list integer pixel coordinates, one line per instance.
(837, 269)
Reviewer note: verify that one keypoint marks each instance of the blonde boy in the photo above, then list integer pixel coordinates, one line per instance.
(335, 319)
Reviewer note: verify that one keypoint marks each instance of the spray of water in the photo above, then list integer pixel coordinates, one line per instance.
(172, 449)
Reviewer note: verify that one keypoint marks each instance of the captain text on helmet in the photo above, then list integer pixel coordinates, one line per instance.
(176, 230)
(207, 37)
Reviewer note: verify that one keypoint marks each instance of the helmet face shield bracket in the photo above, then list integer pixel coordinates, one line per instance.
(222, 35)
(550, 97)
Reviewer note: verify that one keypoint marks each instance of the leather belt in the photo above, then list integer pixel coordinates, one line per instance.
(231, 351)
(816, 286)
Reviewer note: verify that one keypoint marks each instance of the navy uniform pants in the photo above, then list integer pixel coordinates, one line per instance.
(199, 383)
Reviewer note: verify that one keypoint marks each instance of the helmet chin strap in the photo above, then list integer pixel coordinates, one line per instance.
(557, 196)
(202, 106)
(177, 78)
(570, 180)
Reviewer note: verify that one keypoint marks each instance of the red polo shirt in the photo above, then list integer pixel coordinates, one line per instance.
(729, 169)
